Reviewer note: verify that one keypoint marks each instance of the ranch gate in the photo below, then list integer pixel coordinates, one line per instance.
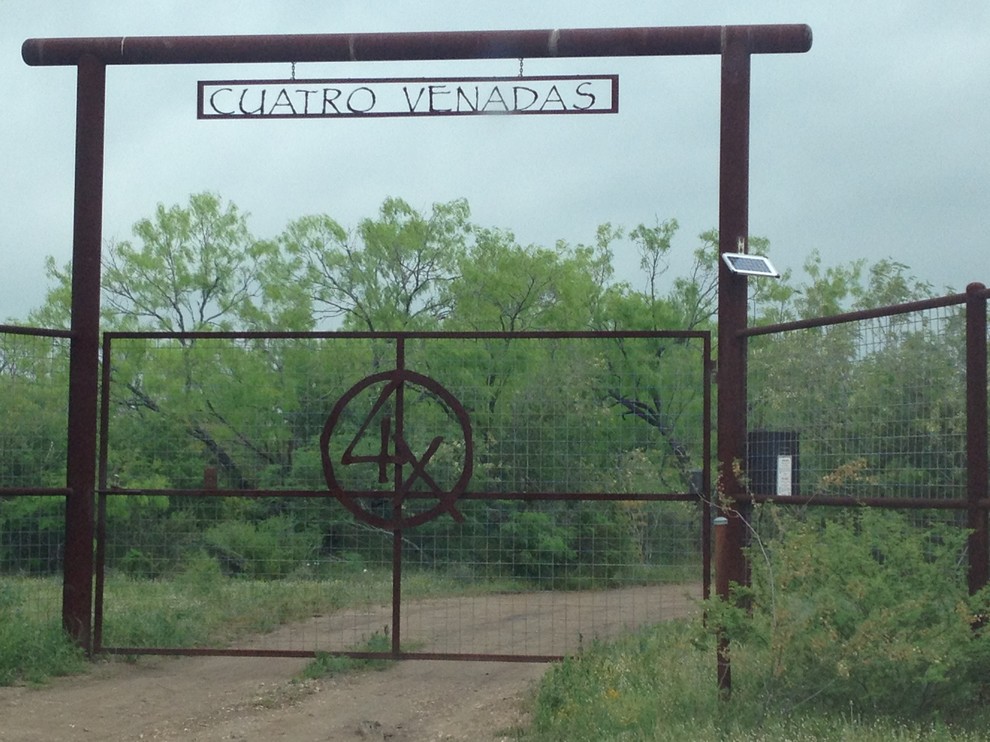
(550, 483)
(734, 45)
(410, 495)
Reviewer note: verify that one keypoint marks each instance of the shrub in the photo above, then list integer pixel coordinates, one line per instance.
(855, 627)
(536, 545)
(33, 645)
(273, 548)
(579, 546)
(863, 613)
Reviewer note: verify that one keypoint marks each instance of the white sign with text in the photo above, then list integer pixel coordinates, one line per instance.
(365, 98)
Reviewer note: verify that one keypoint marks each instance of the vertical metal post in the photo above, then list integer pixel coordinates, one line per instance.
(705, 485)
(724, 668)
(976, 435)
(211, 479)
(733, 226)
(99, 582)
(84, 351)
(400, 365)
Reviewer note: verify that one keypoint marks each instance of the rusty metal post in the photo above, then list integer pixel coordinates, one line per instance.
(100, 560)
(976, 435)
(733, 225)
(722, 571)
(210, 479)
(84, 351)
(705, 486)
(400, 422)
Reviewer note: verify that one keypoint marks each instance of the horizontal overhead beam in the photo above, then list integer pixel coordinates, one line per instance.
(591, 42)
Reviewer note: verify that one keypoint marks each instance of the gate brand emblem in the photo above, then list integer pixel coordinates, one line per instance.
(444, 96)
(402, 429)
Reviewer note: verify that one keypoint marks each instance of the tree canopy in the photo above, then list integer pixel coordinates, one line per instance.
(614, 414)
(198, 267)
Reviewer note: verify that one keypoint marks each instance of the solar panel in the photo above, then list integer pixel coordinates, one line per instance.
(750, 265)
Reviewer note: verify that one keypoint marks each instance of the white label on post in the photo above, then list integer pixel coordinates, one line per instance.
(784, 475)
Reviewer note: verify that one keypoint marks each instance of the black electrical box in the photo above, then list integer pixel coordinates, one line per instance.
(773, 462)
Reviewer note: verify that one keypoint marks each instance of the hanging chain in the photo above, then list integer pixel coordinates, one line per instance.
(293, 70)
(520, 66)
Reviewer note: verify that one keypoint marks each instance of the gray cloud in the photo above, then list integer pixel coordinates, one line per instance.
(871, 145)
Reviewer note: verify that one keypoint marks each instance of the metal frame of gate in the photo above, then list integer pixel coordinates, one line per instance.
(394, 381)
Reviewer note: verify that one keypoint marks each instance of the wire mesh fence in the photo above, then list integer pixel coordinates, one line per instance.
(528, 492)
(872, 410)
(33, 438)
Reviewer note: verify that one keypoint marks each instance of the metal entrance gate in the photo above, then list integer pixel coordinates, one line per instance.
(416, 495)
(735, 45)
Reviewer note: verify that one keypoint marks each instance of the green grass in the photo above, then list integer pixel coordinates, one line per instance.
(33, 646)
(660, 684)
(855, 627)
(200, 607)
(326, 665)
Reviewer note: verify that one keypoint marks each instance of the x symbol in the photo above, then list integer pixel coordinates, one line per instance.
(405, 455)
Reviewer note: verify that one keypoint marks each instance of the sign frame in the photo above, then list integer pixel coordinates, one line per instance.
(423, 102)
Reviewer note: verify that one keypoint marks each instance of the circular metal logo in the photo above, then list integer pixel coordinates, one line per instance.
(397, 450)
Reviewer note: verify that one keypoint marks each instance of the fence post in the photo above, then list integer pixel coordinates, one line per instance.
(976, 435)
(84, 353)
(722, 571)
(733, 225)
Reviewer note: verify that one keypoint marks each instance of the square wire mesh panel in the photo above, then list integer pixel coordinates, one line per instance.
(541, 579)
(34, 372)
(546, 414)
(315, 579)
(202, 571)
(878, 406)
(34, 387)
(31, 550)
(542, 483)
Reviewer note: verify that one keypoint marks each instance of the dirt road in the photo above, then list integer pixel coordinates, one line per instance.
(219, 698)
(254, 700)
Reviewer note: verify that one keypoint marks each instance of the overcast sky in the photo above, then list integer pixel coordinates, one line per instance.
(873, 144)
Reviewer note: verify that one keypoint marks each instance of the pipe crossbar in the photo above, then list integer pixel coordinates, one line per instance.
(370, 47)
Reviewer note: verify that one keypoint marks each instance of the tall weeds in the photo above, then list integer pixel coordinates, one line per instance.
(856, 627)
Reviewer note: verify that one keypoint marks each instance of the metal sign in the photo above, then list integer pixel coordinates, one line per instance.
(384, 97)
